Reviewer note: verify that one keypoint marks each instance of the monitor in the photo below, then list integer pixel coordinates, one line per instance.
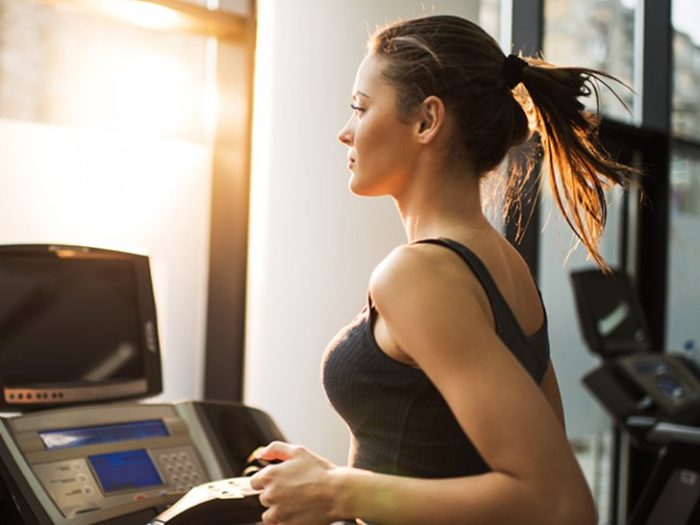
(77, 325)
(610, 313)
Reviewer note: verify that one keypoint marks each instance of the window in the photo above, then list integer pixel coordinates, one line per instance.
(74, 68)
(683, 332)
(685, 115)
(109, 138)
(598, 34)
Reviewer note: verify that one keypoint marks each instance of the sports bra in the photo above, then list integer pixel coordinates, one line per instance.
(399, 423)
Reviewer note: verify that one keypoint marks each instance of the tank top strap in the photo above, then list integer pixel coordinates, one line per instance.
(472, 260)
(501, 310)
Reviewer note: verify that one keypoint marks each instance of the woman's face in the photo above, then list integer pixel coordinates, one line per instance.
(380, 146)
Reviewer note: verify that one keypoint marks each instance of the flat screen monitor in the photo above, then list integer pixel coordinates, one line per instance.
(77, 325)
(610, 314)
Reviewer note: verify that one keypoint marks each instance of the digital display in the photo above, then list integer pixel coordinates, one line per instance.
(68, 320)
(132, 469)
(670, 386)
(96, 435)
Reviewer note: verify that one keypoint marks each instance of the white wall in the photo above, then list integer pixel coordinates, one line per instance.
(313, 244)
(111, 190)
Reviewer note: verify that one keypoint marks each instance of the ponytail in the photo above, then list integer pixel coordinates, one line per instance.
(578, 168)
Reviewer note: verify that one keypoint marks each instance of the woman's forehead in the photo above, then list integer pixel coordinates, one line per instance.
(368, 78)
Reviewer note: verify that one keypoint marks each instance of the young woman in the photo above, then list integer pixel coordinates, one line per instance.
(444, 379)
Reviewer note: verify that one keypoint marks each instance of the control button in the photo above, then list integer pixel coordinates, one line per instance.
(87, 490)
(76, 465)
(81, 478)
(139, 497)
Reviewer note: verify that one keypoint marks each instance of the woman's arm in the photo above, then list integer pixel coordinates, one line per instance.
(493, 498)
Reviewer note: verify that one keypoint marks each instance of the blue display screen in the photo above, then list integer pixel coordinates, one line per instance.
(132, 469)
(81, 437)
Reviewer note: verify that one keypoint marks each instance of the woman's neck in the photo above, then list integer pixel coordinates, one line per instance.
(443, 205)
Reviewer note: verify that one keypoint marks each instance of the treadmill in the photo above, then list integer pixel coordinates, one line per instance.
(652, 396)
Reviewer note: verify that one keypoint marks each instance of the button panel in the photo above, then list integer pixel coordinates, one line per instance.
(179, 467)
(73, 487)
(70, 484)
(231, 488)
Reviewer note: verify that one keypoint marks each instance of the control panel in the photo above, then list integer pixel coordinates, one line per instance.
(87, 464)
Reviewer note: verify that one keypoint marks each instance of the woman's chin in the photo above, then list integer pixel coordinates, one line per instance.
(354, 185)
(357, 187)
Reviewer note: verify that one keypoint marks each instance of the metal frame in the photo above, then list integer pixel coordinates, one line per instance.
(652, 259)
(224, 360)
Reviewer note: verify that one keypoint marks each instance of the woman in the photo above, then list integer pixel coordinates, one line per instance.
(444, 379)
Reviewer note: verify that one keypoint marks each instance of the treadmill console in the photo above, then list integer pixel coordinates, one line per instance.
(90, 464)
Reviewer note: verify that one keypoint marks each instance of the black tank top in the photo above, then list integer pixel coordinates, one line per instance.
(400, 424)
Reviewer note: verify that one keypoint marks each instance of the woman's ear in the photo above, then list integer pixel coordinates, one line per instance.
(431, 118)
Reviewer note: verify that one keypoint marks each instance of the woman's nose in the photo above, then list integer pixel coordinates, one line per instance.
(344, 135)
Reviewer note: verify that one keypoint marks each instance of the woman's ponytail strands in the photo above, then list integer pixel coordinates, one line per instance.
(578, 167)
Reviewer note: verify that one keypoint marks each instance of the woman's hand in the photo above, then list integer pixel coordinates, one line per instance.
(301, 490)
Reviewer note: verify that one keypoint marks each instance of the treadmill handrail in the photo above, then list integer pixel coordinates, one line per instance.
(664, 433)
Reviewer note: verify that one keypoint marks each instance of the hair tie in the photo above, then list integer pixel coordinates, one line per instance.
(513, 67)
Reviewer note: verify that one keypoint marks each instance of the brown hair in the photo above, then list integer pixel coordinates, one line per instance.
(457, 61)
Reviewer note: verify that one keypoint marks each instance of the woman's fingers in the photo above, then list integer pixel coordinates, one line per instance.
(277, 450)
(260, 479)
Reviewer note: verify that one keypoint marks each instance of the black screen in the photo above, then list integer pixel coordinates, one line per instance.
(68, 320)
(610, 313)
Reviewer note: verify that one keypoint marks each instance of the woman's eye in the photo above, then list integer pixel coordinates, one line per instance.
(356, 109)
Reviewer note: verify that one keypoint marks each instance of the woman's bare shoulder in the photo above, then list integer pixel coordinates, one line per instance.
(422, 273)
